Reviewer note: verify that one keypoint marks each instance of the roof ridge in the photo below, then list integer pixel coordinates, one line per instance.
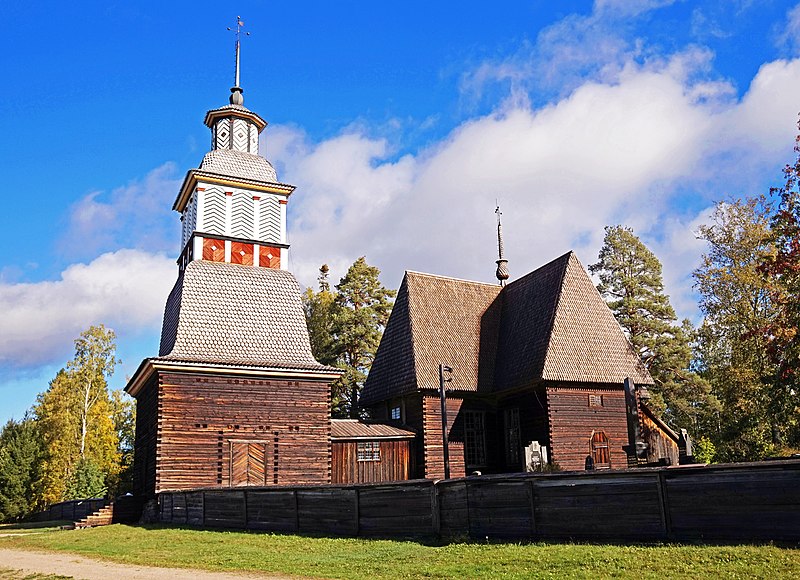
(410, 318)
(442, 277)
(551, 323)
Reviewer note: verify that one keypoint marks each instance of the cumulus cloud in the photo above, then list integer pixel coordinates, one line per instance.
(620, 151)
(137, 215)
(125, 290)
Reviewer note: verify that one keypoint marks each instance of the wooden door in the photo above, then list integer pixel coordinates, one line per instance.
(600, 454)
(248, 463)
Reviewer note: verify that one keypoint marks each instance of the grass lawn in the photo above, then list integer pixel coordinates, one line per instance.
(360, 558)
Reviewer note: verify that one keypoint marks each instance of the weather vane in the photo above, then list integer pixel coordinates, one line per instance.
(239, 26)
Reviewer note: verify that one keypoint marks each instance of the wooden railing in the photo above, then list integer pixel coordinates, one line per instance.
(737, 502)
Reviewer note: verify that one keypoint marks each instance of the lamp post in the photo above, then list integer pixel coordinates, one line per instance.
(443, 400)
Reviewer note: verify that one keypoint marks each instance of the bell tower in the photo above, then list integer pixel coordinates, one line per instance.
(233, 208)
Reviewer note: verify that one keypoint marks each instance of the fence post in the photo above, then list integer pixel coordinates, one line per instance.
(358, 511)
(296, 512)
(436, 507)
(532, 490)
(664, 501)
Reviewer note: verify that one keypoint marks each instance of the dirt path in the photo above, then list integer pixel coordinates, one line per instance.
(88, 569)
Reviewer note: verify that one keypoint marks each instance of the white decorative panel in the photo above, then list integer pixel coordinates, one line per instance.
(222, 134)
(214, 211)
(242, 215)
(270, 222)
(241, 136)
(253, 139)
(189, 220)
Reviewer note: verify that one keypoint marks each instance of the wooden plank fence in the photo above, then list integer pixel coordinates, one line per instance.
(737, 502)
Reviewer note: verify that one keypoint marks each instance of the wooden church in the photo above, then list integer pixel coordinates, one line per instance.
(235, 396)
(540, 363)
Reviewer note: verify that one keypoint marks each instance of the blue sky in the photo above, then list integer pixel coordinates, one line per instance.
(399, 124)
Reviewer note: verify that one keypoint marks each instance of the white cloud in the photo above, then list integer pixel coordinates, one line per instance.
(125, 290)
(789, 37)
(137, 215)
(610, 152)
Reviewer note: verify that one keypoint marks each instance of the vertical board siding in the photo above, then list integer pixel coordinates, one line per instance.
(394, 464)
(396, 511)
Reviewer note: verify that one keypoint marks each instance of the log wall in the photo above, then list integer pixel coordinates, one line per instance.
(212, 430)
(432, 438)
(739, 502)
(573, 420)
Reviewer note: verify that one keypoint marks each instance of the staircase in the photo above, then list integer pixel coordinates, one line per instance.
(102, 517)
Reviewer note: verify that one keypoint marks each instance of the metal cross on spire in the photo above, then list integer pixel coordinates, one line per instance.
(236, 96)
(502, 264)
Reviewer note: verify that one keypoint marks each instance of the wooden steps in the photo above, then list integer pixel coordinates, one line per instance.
(102, 517)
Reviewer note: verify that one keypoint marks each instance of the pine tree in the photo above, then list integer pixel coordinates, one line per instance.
(362, 308)
(346, 326)
(20, 459)
(319, 310)
(631, 283)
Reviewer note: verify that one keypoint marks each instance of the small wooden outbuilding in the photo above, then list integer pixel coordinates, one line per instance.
(363, 452)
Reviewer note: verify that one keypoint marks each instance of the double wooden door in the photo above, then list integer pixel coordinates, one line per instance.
(249, 461)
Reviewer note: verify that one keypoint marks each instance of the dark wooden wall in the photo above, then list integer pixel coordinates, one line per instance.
(145, 440)
(394, 464)
(572, 422)
(202, 417)
(659, 444)
(740, 502)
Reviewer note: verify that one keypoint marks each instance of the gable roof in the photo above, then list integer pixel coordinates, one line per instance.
(436, 320)
(550, 325)
(228, 314)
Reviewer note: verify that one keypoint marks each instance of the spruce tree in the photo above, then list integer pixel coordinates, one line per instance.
(20, 459)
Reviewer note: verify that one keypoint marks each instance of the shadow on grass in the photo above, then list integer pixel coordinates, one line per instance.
(34, 525)
(436, 542)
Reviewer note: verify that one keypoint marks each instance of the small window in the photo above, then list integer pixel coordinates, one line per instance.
(595, 400)
(395, 414)
(474, 439)
(369, 451)
(512, 437)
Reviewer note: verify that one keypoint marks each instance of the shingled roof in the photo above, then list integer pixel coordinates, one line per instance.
(238, 164)
(550, 325)
(228, 314)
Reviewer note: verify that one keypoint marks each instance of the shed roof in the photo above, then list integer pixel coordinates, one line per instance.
(355, 429)
(550, 325)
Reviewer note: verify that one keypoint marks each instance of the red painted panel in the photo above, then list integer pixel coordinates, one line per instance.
(242, 253)
(213, 250)
(269, 257)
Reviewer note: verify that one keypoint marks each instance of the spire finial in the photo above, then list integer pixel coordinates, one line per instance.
(236, 91)
(502, 264)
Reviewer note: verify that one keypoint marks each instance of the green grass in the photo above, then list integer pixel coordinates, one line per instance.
(34, 527)
(359, 558)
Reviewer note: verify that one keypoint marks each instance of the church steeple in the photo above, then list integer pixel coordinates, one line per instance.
(502, 264)
(233, 207)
